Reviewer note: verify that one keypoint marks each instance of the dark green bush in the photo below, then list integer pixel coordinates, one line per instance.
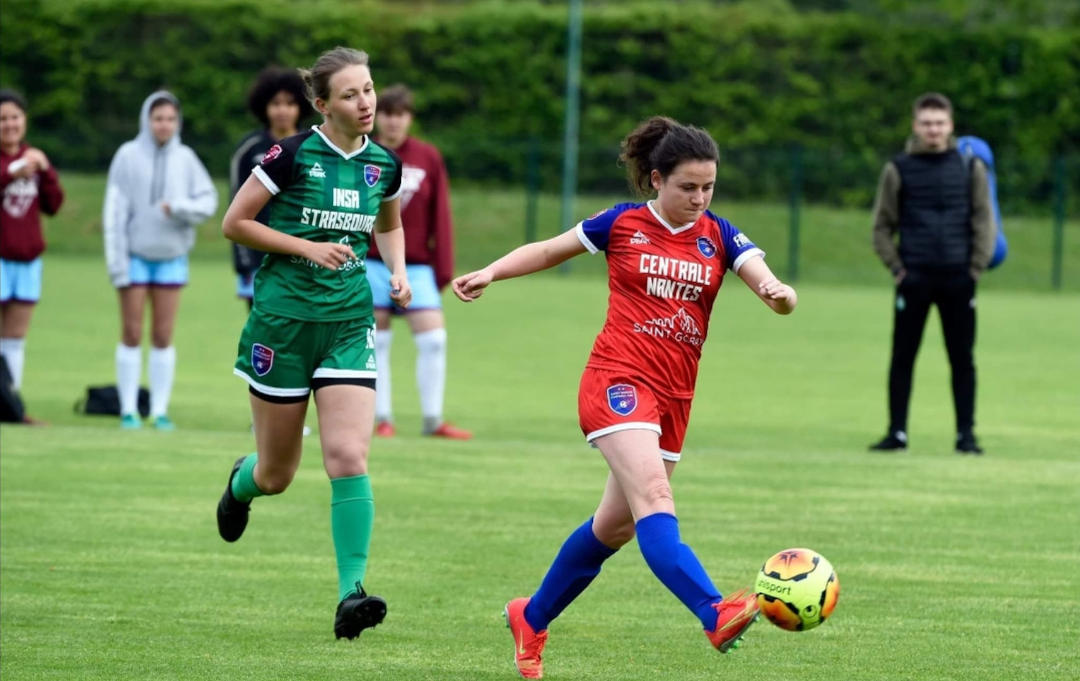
(490, 81)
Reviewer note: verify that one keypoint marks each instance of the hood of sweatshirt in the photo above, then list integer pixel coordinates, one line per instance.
(145, 137)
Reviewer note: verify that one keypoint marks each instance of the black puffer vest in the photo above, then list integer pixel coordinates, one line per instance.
(935, 210)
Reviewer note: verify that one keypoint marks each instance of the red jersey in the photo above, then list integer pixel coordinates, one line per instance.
(21, 238)
(662, 281)
(425, 210)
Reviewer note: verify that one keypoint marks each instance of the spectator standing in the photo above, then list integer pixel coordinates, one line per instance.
(934, 230)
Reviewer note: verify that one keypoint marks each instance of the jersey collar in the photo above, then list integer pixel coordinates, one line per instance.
(662, 221)
(367, 140)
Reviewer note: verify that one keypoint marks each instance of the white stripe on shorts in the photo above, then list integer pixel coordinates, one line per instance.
(270, 390)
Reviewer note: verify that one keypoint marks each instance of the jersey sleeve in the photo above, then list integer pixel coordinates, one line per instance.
(275, 170)
(393, 189)
(737, 246)
(594, 232)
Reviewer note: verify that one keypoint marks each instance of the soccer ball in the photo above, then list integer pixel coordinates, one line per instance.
(797, 589)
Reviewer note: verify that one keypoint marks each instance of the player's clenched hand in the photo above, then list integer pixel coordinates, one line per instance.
(469, 287)
(774, 289)
(329, 254)
(400, 291)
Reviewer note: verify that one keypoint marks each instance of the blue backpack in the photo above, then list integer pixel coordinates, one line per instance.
(971, 147)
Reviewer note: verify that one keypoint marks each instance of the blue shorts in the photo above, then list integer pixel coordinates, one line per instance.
(425, 294)
(20, 282)
(142, 272)
(245, 286)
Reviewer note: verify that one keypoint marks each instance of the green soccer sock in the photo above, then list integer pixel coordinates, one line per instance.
(352, 515)
(243, 483)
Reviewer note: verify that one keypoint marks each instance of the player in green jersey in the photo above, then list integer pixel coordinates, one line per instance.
(330, 190)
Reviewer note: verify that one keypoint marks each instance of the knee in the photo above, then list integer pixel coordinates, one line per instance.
(271, 481)
(131, 335)
(343, 459)
(656, 494)
(614, 534)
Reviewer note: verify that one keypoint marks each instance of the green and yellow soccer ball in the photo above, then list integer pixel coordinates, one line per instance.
(797, 589)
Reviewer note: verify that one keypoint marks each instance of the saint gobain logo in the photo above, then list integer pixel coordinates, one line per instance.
(262, 359)
(372, 174)
(706, 246)
(622, 399)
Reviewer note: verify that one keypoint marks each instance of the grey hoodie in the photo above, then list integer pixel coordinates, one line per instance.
(142, 177)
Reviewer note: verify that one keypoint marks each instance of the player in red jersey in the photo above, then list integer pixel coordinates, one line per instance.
(666, 260)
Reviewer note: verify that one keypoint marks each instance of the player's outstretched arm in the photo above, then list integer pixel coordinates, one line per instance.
(773, 292)
(240, 225)
(539, 255)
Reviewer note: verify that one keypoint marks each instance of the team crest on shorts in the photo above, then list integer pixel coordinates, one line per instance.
(262, 359)
(372, 174)
(622, 399)
(706, 246)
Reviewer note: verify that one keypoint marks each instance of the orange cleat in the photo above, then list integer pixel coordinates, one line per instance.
(734, 615)
(528, 644)
(385, 429)
(451, 432)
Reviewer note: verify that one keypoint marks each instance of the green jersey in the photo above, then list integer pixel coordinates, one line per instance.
(322, 193)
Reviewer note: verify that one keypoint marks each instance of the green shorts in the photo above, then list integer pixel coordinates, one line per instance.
(284, 359)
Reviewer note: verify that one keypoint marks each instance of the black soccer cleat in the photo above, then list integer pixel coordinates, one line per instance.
(357, 612)
(893, 442)
(232, 514)
(966, 444)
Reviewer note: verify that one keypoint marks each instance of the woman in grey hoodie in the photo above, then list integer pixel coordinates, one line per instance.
(157, 192)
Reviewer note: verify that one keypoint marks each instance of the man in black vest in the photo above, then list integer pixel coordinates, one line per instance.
(938, 203)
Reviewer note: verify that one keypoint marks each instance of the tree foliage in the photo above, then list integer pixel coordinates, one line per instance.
(490, 79)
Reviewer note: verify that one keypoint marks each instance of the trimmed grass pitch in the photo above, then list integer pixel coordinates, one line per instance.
(950, 567)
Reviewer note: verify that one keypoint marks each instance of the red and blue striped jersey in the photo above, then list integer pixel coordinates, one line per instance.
(662, 282)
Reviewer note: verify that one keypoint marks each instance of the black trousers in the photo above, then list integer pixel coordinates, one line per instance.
(954, 294)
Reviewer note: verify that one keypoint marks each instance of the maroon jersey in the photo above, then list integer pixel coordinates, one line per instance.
(24, 200)
(662, 281)
(425, 210)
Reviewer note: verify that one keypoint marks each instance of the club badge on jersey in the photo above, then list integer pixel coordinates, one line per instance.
(622, 399)
(706, 246)
(371, 174)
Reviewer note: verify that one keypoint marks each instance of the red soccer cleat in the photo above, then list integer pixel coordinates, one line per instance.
(734, 615)
(528, 644)
(385, 429)
(451, 432)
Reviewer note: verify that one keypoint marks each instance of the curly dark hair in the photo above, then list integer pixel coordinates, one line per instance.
(271, 81)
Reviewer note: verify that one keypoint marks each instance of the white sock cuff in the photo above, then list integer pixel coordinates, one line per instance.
(12, 344)
(128, 352)
(430, 340)
(167, 354)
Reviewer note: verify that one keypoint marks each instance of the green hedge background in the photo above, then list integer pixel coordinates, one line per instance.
(769, 81)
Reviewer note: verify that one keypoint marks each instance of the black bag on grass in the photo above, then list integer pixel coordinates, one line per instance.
(105, 400)
(11, 405)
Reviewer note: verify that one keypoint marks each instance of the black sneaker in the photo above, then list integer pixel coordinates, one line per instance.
(357, 612)
(232, 514)
(965, 444)
(893, 442)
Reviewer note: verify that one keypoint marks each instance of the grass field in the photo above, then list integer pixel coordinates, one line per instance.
(951, 567)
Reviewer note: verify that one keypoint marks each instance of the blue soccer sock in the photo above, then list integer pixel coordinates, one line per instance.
(576, 565)
(675, 564)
